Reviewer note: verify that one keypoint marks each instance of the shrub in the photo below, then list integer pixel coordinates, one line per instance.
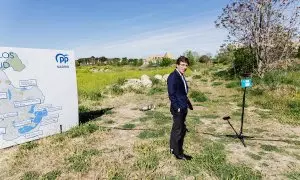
(198, 96)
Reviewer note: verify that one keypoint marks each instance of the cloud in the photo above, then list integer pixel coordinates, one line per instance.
(176, 38)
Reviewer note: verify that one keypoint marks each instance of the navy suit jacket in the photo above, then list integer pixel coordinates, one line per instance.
(177, 93)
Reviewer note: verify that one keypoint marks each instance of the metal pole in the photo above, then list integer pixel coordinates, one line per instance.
(241, 131)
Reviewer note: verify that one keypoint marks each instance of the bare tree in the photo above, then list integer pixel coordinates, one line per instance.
(269, 27)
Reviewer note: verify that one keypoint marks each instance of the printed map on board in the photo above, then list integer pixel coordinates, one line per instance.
(22, 109)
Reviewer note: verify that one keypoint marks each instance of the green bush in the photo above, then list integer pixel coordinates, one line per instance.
(244, 61)
(198, 96)
(294, 107)
(166, 62)
(117, 90)
(155, 90)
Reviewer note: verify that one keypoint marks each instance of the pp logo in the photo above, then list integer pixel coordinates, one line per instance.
(62, 58)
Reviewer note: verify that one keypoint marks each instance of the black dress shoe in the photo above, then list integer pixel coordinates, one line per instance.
(181, 157)
(188, 157)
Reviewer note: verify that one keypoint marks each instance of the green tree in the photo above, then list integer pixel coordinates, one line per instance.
(204, 59)
(191, 56)
(124, 61)
(267, 27)
(165, 62)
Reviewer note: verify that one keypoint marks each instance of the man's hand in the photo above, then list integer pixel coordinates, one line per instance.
(190, 106)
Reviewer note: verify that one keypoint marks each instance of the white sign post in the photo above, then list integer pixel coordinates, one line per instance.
(38, 94)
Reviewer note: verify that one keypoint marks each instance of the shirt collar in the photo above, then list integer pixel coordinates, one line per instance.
(179, 72)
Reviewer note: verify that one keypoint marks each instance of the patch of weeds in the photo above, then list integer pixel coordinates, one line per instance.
(95, 96)
(293, 175)
(204, 80)
(109, 122)
(294, 107)
(108, 112)
(52, 175)
(211, 129)
(144, 119)
(80, 162)
(232, 84)
(236, 113)
(259, 130)
(83, 108)
(213, 159)
(30, 175)
(155, 81)
(217, 83)
(117, 90)
(59, 137)
(297, 156)
(137, 90)
(293, 136)
(254, 156)
(147, 134)
(160, 142)
(148, 161)
(167, 177)
(198, 96)
(241, 105)
(121, 81)
(82, 130)
(197, 77)
(197, 104)
(269, 148)
(195, 120)
(29, 145)
(262, 153)
(263, 114)
(210, 116)
(156, 90)
(116, 174)
(129, 126)
(161, 105)
(256, 92)
(159, 117)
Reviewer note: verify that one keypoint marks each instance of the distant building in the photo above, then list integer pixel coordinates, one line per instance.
(156, 58)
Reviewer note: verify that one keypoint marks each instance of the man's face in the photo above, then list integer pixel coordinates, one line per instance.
(182, 67)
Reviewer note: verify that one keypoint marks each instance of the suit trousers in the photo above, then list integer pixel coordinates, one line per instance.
(178, 131)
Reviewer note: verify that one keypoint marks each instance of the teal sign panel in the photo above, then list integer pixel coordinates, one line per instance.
(246, 83)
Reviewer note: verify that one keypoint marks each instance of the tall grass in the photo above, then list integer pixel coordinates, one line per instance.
(91, 84)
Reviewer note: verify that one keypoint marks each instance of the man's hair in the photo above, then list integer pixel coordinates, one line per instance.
(183, 59)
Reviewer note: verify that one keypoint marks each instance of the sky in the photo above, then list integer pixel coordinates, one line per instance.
(113, 28)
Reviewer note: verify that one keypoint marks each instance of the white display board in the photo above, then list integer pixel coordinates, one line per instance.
(38, 94)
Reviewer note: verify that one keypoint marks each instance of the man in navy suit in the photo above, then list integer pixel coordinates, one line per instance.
(178, 90)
